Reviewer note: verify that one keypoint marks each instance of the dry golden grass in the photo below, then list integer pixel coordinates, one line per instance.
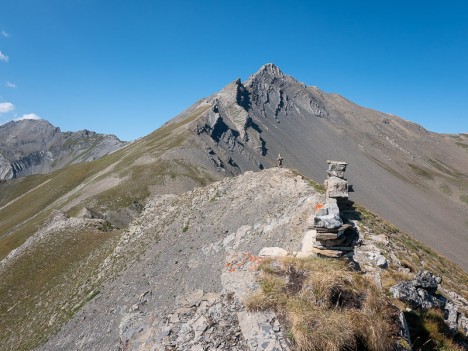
(392, 277)
(326, 306)
(429, 332)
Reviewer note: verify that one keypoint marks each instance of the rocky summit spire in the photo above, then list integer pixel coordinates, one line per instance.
(268, 71)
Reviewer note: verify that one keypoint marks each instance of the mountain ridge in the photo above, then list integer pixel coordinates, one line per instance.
(165, 201)
(32, 146)
(396, 165)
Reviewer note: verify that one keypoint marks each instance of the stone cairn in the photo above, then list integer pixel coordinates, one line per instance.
(335, 234)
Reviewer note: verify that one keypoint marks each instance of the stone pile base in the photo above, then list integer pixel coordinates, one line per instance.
(335, 235)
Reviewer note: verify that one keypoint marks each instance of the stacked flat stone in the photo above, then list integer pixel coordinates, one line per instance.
(334, 238)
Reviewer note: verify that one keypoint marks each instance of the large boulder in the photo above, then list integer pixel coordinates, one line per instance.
(418, 292)
(414, 296)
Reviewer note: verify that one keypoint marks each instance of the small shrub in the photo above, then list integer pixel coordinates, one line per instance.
(445, 189)
(421, 172)
(464, 198)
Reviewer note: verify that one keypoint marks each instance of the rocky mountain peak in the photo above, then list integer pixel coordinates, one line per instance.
(270, 74)
(270, 69)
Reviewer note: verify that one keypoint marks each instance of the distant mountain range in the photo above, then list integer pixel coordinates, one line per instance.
(81, 225)
(32, 146)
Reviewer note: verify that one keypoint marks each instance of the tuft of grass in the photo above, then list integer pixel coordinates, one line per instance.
(326, 306)
(445, 189)
(421, 172)
(390, 277)
(464, 198)
(317, 186)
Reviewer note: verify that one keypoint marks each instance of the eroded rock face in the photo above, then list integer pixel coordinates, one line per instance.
(35, 146)
(6, 169)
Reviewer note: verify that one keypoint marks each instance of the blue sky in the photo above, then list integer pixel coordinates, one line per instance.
(125, 67)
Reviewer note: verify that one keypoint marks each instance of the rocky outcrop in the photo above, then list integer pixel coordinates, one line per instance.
(455, 310)
(200, 321)
(35, 146)
(422, 293)
(277, 95)
(419, 292)
(6, 169)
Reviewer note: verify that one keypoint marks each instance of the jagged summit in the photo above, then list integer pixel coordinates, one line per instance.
(270, 74)
(270, 69)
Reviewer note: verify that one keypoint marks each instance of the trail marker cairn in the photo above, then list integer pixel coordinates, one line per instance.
(335, 235)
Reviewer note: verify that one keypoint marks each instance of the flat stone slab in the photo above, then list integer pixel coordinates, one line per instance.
(334, 248)
(329, 253)
(336, 242)
(262, 331)
(327, 230)
(338, 231)
(327, 236)
(308, 240)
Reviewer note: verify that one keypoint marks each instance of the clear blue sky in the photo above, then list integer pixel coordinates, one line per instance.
(125, 67)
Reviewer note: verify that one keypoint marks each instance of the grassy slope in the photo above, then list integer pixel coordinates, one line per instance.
(45, 287)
